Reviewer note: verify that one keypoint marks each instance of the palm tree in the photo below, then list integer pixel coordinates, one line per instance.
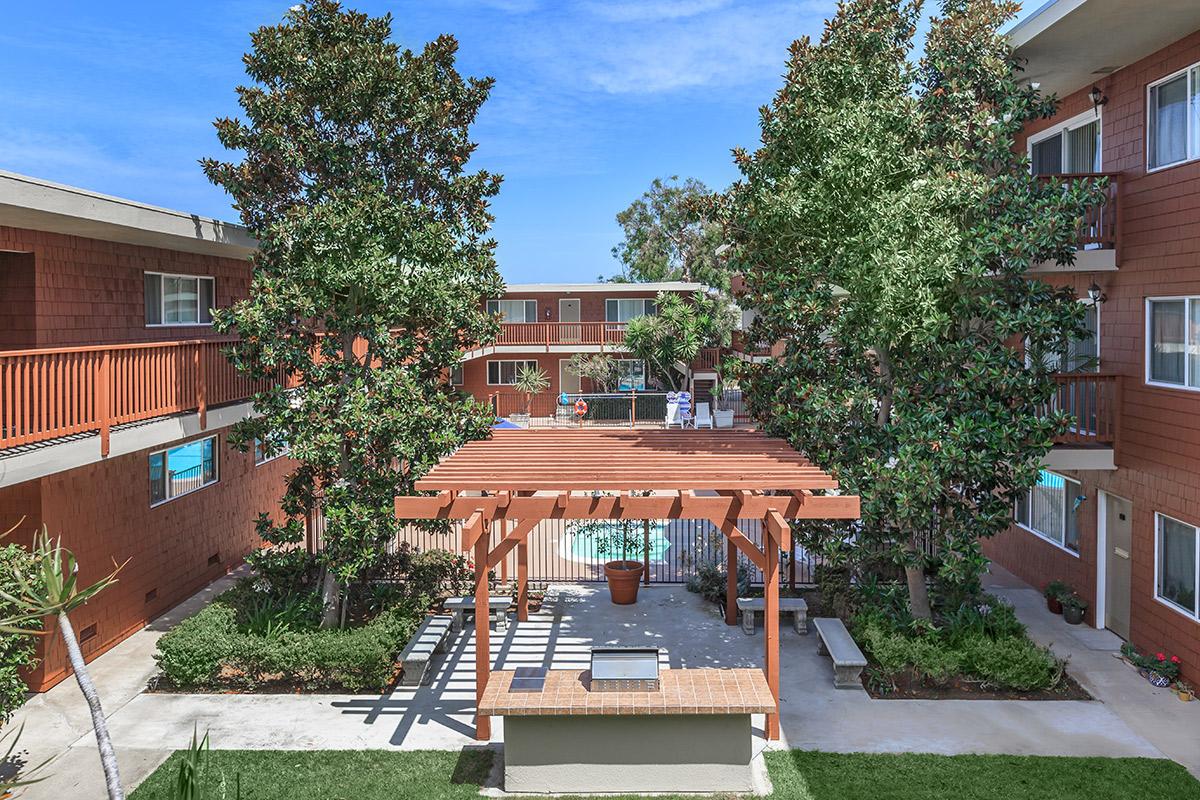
(52, 590)
(531, 381)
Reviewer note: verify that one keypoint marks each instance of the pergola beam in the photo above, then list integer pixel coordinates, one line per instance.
(741, 541)
(511, 540)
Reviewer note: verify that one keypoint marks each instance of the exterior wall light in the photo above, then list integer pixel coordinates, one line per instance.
(1098, 99)
(1096, 294)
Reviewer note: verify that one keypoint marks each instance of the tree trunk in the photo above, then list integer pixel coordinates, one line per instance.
(329, 596)
(108, 759)
(918, 592)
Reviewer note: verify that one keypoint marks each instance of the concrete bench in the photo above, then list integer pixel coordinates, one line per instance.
(459, 607)
(836, 642)
(795, 605)
(430, 638)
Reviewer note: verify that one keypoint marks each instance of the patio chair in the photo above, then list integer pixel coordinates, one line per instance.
(703, 418)
(672, 417)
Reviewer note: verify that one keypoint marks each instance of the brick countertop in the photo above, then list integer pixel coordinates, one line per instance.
(684, 691)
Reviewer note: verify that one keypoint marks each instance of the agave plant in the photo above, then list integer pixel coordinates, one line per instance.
(52, 589)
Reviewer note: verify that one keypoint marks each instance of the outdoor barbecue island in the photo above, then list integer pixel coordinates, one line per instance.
(691, 734)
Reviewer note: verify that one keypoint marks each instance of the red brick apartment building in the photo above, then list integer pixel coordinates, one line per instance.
(1117, 513)
(115, 400)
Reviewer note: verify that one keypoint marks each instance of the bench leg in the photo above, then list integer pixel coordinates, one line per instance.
(748, 622)
(456, 621)
(847, 677)
(501, 620)
(800, 621)
(821, 648)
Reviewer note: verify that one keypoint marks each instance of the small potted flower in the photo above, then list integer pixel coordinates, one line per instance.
(1163, 670)
(1055, 592)
(1184, 691)
(1073, 608)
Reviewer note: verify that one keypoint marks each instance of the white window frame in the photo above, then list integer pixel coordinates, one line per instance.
(525, 361)
(1192, 143)
(1149, 345)
(645, 377)
(1158, 517)
(1077, 121)
(162, 299)
(167, 466)
(493, 308)
(1060, 545)
(284, 450)
(643, 300)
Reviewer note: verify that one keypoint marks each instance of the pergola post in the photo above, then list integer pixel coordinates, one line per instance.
(730, 582)
(771, 615)
(483, 639)
(522, 581)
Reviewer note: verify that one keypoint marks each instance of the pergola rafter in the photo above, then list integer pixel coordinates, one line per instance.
(524, 477)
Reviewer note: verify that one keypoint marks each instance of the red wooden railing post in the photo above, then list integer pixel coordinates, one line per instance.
(633, 408)
(1118, 402)
(103, 400)
(202, 385)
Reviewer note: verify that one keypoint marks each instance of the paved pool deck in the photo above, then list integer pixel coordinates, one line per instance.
(1129, 719)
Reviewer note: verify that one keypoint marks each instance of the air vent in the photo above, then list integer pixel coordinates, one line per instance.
(88, 633)
(151, 595)
(624, 669)
(215, 558)
(1105, 70)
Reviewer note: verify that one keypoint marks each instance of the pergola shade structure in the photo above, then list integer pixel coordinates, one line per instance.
(530, 476)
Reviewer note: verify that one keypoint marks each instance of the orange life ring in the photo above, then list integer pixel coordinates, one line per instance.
(580, 407)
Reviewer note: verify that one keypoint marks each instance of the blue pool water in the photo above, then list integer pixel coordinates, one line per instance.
(586, 548)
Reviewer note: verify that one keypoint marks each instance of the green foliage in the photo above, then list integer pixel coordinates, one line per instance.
(17, 647)
(439, 573)
(886, 228)
(531, 381)
(671, 235)
(189, 782)
(372, 265)
(46, 584)
(1057, 590)
(669, 339)
(598, 368)
(709, 581)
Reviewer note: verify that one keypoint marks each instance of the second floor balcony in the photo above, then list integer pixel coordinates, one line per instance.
(1093, 438)
(546, 334)
(1098, 238)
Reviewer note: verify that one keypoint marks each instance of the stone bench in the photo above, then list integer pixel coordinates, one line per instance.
(795, 605)
(836, 642)
(430, 638)
(459, 607)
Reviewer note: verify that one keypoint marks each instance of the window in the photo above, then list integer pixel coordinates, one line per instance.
(625, 309)
(1173, 119)
(1048, 509)
(182, 469)
(263, 454)
(1173, 341)
(631, 374)
(513, 310)
(178, 299)
(1176, 565)
(504, 373)
(456, 375)
(1071, 147)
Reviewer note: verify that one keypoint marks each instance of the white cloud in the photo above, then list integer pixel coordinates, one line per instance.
(642, 10)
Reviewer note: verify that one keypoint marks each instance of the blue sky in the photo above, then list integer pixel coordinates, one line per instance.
(593, 99)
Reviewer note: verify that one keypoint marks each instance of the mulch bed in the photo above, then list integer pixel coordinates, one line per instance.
(912, 687)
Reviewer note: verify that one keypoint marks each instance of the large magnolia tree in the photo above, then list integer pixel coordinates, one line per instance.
(372, 263)
(886, 228)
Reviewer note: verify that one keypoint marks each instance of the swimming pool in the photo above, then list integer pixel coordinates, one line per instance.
(584, 547)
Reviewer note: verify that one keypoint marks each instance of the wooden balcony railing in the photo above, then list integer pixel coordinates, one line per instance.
(49, 393)
(709, 358)
(1100, 228)
(544, 334)
(1094, 403)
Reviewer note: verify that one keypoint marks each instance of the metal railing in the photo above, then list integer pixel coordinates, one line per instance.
(49, 393)
(1094, 403)
(604, 410)
(1100, 227)
(544, 334)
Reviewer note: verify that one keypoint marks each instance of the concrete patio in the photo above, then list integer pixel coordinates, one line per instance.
(147, 727)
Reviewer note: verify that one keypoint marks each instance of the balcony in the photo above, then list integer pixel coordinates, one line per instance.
(52, 393)
(545, 334)
(1098, 240)
(1094, 437)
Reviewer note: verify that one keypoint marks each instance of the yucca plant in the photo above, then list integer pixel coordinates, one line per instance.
(531, 381)
(9, 782)
(189, 783)
(52, 589)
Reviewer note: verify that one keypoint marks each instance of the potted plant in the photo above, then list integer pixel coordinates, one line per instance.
(1055, 592)
(1184, 691)
(1073, 607)
(1163, 670)
(611, 537)
(530, 381)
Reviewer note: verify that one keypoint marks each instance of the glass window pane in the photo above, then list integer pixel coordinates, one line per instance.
(1167, 341)
(180, 300)
(493, 372)
(610, 311)
(456, 375)
(1071, 516)
(1168, 122)
(1021, 511)
(531, 311)
(1046, 504)
(1083, 354)
(1177, 563)
(631, 374)
(1194, 113)
(515, 310)
(1193, 342)
(209, 463)
(1047, 156)
(153, 291)
(158, 477)
(207, 303)
(1083, 148)
(493, 306)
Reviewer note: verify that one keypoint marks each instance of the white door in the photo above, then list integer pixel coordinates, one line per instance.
(568, 311)
(1118, 544)
(568, 379)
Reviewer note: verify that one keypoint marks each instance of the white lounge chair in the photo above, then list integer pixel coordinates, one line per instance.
(673, 415)
(703, 417)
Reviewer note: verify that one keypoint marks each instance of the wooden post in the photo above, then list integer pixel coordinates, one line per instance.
(771, 621)
(522, 582)
(103, 401)
(483, 639)
(792, 568)
(202, 386)
(730, 582)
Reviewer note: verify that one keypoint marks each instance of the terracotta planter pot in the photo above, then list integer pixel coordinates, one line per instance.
(624, 578)
(1054, 605)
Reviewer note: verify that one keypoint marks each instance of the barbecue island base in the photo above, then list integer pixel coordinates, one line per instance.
(691, 735)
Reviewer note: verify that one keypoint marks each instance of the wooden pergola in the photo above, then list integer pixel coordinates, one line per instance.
(520, 478)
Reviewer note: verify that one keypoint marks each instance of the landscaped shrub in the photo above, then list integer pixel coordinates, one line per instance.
(16, 650)
(709, 581)
(438, 573)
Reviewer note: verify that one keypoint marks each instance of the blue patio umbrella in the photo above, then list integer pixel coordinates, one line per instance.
(503, 424)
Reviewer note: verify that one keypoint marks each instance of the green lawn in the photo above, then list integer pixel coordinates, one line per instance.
(803, 775)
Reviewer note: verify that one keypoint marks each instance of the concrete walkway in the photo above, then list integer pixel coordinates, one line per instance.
(147, 727)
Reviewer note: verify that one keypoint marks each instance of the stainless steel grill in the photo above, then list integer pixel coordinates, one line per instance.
(624, 669)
